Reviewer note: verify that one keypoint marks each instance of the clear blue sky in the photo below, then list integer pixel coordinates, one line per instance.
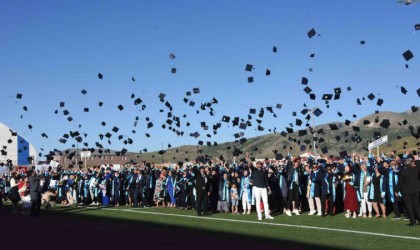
(51, 50)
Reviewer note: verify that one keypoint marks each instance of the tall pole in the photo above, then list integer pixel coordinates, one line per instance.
(162, 152)
(313, 126)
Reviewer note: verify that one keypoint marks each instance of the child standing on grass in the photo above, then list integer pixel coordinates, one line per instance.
(234, 198)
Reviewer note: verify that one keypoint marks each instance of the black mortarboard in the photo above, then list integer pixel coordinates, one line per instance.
(414, 109)
(248, 67)
(242, 125)
(298, 122)
(337, 90)
(83, 92)
(196, 90)
(25, 108)
(120, 107)
(311, 33)
(358, 101)
(418, 92)
(304, 81)
(302, 132)
(101, 104)
(403, 90)
(385, 123)
(312, 96)
(339, 114)
(338, 138)
(327, 97)
(347, 122)
(274, 49)
(408, 55)
(279, 106)
(200, 143)
(302, 148)
(18, 96)
(343, 154)
(250, 79)
(333, 126)
(149, 125)
(312, 55)
(173, 70)
(317, 112)
(336, 96)
(307, 90)
(100, 76)
(267, 72)
(417, 27)
(380, 102)
(366, 122)
(62, 104)
(226, 118)
(324, 150)
(371, 96)
(252, 111)
(86, 109)
(356, 129)
(289, 130)
(192, 103)
(172, 56)
(115, 129)
(362, 42)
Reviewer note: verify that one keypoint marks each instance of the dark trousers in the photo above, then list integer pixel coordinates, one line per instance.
(138, 196)
(36, 203)
(330, 199)
(398, 206)
(293, 196)
(202, 200)
(413, 208)
(148, 197)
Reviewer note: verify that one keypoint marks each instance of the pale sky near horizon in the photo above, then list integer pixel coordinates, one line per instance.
(52, 50)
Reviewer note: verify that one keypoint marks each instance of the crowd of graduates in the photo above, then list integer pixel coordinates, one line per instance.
(360, 186)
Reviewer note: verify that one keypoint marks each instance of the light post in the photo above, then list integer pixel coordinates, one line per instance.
(312, 110)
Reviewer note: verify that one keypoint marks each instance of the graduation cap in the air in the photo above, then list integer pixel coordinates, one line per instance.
(248, 67)
(307, 90)
(317, 112)
(304, 81)
(311, 33)
(250, 79)
(371, 96)
(333, 126)
(172, 56)
(100, 76)
(120, 107)
(366, 122)
(84, 92)
(362, 42)
(408, 55)
(418, 92)
(403, 90)
(101, 104)
(149, 125)
(19, 96)
(302, 132)
(196, 90)
(173, 70)
(267, 72)
(414, 109)
(380, 102)
(115, 129)
(385, 123)
(274, 49)
(417, 26)
(86, 109)
(358, 101)
(327, 97)
(324, 150)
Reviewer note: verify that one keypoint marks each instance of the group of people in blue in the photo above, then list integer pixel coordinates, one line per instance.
(360, 186)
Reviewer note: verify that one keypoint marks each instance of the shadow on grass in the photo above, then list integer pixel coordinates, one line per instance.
(70, 228)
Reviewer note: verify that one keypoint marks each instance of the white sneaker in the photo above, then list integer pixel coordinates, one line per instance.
(288, 213)
(312, 212)
(268, 217)
(249, 212)
(296, 212)
(319, 214)
(259, 218)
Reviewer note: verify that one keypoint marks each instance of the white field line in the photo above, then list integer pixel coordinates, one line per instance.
(270, 224)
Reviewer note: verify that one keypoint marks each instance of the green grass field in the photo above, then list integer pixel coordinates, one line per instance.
(363, 233)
